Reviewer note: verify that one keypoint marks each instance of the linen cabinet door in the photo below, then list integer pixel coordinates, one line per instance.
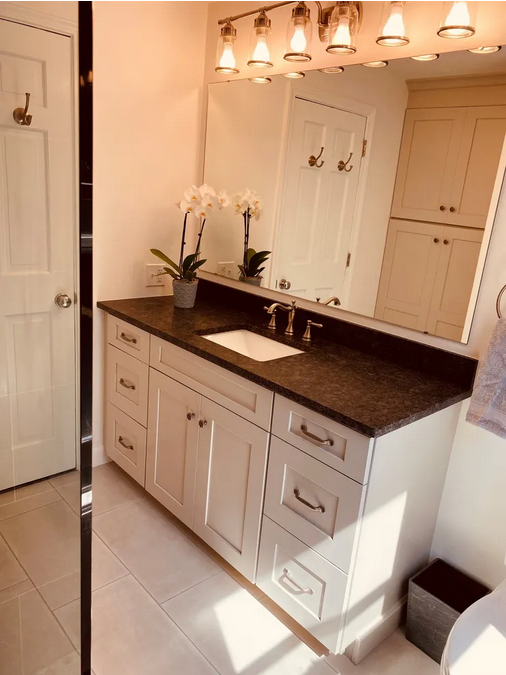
(171, 457)
(232, 462)
(430, 145)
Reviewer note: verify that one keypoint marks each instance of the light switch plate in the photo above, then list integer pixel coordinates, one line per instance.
(151, 275)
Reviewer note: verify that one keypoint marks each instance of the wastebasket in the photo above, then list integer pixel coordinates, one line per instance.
(437, 596)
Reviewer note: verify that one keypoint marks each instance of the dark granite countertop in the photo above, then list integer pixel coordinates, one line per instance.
(369, 394)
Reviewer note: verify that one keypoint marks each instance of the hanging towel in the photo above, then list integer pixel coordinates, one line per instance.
(488, 402)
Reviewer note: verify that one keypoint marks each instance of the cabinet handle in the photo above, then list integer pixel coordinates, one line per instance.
(126, 384)
(436, 240)
(452, 209)
(442, 208)
(298, 589)
(124, 443)
(127, 338)
(323, 441)
(202, 423)
(190, 416)
(319, 508)
(445, 242)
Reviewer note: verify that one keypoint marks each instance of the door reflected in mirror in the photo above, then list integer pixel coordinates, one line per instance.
(379, 185)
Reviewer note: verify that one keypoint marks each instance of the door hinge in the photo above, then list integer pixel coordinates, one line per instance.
(364, 148)
(348, 260)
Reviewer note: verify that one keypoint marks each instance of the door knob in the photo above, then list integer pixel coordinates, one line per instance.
(442, 208)
(452, 209)
(284, 284)
(62, 300)
(202, 423)
(436, 240)
(190, 416)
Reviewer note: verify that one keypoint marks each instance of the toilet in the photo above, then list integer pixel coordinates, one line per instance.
(477, 642)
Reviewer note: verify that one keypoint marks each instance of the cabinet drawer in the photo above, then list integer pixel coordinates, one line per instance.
(303, 583)
(312, 501)
(127, 384)
(128, 338)
(125, 442)
(333, 444)
(245, 398)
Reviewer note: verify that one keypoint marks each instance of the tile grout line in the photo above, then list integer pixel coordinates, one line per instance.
(16, 515)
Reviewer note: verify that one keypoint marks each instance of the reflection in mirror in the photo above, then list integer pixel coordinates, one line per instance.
(377, 184)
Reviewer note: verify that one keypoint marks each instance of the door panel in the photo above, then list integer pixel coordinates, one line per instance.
(171, 457)
(319, 201)
(232, 462)
(37, 252)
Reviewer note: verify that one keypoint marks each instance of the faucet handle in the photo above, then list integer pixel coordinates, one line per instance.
(307, 334)
(272, 322)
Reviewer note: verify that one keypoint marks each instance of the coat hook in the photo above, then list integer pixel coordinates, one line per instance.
(21, 115)
(313, 161)
(342, 165)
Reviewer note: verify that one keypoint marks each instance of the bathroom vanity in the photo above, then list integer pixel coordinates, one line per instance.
(317, 476)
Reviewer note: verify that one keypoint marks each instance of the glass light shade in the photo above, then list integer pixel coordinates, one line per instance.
(458, 20)
(376, 64)
(332, 69)
(425, 57)
(261, 79)
(225, 57)
(392, 32)
(298, 75)
(485, 50)
(343, 29)
(299, 34)
(260, 54)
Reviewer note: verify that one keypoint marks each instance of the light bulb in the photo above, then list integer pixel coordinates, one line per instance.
(459, 15)
(425, 57)
(261, 52)
(343, 35)
(457, 22)
(227, 58)
(395, 24)
(298, 42)
(393, 30)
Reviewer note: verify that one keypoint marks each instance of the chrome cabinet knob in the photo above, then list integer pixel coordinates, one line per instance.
(202, 423)
(62, 300)
(190, 416)
(442, 208)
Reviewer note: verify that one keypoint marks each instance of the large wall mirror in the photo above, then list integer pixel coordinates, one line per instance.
(393, 219)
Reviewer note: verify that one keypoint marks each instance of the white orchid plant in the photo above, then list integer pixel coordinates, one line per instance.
(199, 202)
(249, 205)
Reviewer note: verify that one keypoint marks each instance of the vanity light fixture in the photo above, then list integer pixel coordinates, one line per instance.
(375, 64)
(299, 33)
(485, 50)
(260, 56)
(332, 69)
(392, 31)
(294, 76)
(425, 57)
(459, 20)
(261, 79)
(225, 58)
(344, 24)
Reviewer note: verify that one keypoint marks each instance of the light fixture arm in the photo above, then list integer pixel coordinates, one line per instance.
(266, 8)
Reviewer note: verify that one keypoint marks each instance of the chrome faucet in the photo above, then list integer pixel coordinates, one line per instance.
(285, 308)
(334, 299)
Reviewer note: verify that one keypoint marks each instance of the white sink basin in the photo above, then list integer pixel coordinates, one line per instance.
(257, 347)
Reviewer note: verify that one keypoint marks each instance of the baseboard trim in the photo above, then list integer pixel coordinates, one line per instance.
(99, 456)
(377, 632)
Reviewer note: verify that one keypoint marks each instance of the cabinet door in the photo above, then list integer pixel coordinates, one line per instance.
(427, 163)
(454, 281)
(171, 458)
(480, 152)
(231, 471)
(408, 274)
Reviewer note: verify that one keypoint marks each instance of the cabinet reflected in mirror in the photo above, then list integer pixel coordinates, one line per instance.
(379, 186)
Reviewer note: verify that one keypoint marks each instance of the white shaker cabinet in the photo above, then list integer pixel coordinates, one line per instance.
(448, 164)
(427, 276)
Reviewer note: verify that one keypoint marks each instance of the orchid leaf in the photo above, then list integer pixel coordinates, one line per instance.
(165, 259)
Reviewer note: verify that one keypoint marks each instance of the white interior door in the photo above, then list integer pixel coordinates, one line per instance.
(319, 202)
(37, 246)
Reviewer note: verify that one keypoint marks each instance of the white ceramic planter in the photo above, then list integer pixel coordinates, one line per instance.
(184, 293)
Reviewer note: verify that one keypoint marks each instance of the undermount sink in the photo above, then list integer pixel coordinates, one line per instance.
(256, 347)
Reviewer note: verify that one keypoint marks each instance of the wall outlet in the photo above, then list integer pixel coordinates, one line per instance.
(227, 269)
(152, 270)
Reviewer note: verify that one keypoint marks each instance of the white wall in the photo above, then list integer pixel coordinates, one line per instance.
(148, 88)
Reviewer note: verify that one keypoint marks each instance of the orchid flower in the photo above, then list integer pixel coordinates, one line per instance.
(223, 199)
(205, 190)
(188, 207)
(192, 194)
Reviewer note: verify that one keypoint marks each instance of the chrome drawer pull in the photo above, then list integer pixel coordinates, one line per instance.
(126, 384)
(296, 492)
(126, 338)
(323, 441)
(298, 589)
(126, 445)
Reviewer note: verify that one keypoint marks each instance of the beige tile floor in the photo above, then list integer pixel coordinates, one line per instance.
(162, 600)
